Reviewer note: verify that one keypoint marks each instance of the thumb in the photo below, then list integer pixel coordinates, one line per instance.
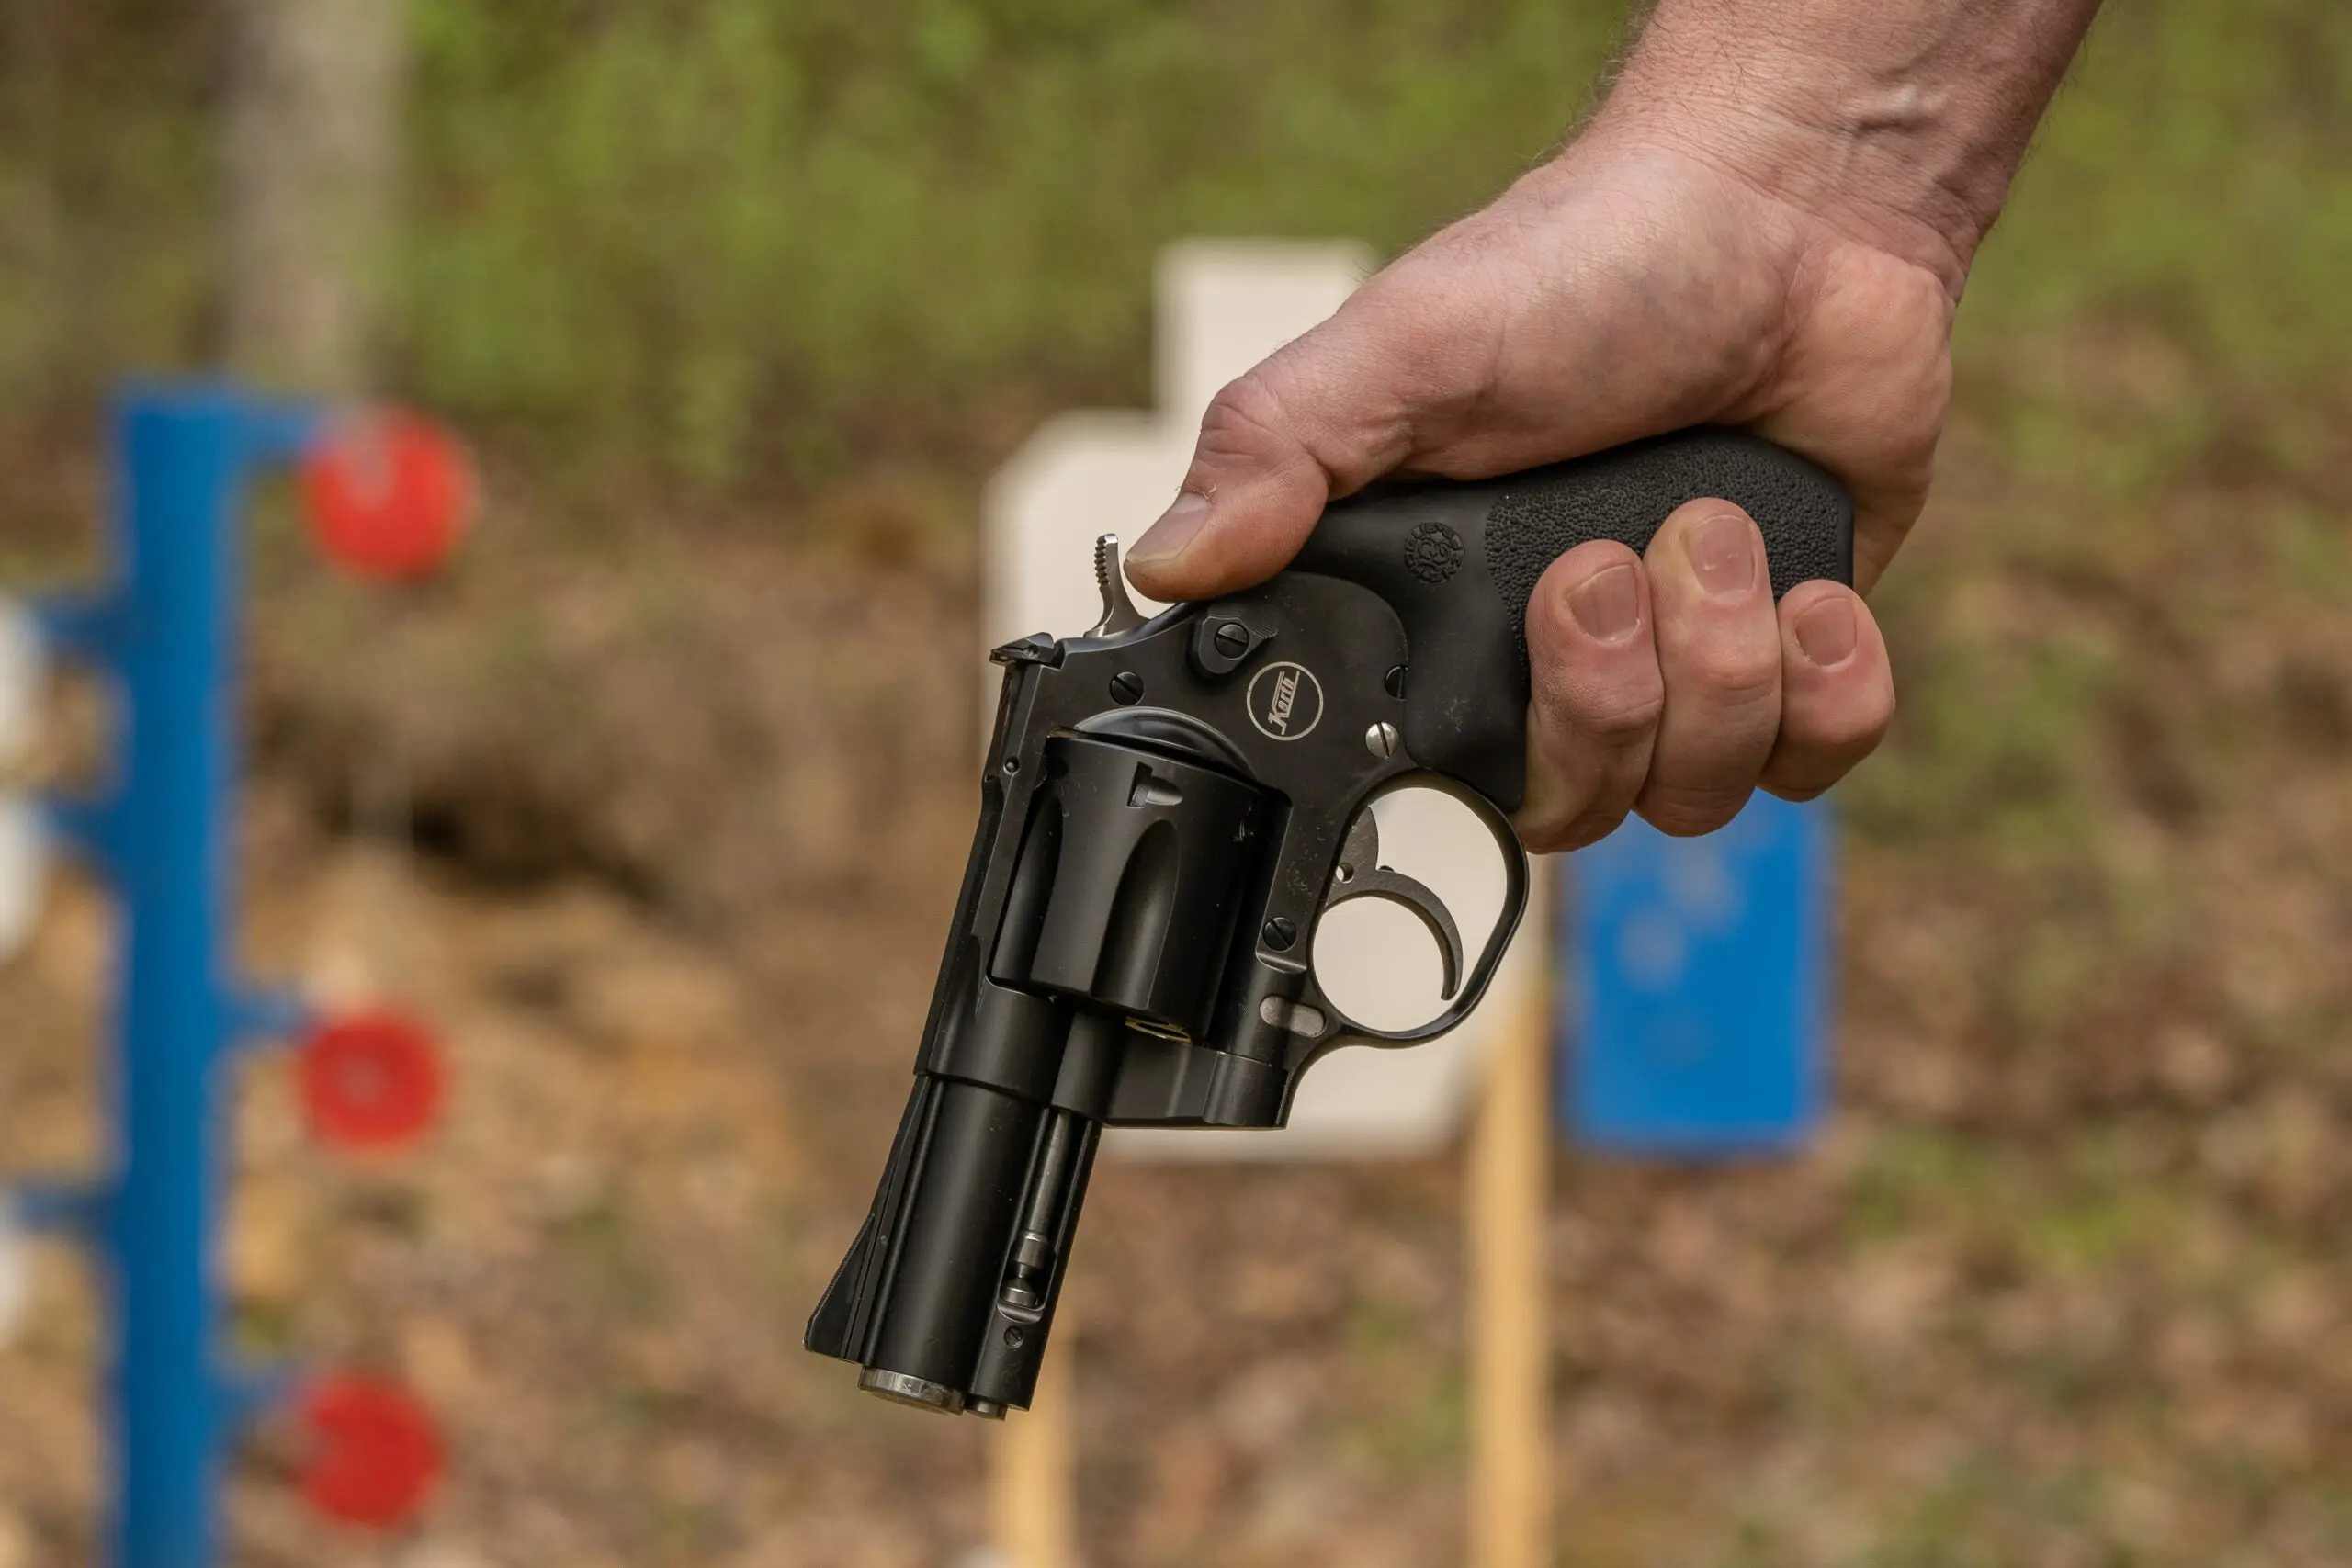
(1325, 415)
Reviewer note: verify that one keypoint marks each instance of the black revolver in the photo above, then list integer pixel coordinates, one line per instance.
(1168, 808)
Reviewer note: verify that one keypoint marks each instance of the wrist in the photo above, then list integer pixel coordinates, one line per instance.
(1869, 187)
(1893, 121)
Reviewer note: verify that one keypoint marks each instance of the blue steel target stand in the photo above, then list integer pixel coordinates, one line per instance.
(163, 834)
(1700, 986)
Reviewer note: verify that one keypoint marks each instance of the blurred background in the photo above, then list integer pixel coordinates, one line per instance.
(740, 301)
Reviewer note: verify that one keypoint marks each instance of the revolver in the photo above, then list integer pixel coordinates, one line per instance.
(1168, 808)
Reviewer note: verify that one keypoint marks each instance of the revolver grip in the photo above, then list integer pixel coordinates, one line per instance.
(1459, 561)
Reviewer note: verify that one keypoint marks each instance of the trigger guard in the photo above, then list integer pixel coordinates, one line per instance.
(1416, 900)
(1344, 1030)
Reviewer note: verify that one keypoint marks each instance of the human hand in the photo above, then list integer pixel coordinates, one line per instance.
(1629, 288)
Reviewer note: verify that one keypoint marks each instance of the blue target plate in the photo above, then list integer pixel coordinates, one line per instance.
(1700, 985)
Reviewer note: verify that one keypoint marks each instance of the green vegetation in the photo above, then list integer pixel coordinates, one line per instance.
(735, 241)
(2196, 182)
(739, 230)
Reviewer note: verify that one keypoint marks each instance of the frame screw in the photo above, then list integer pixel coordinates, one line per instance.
(1126, 688)
(1382, 739)
(1279, 934)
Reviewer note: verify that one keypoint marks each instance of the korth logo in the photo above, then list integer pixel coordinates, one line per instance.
(1432, 552)
(1285, 701)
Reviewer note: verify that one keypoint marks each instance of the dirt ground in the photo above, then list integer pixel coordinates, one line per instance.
(2064, 1285)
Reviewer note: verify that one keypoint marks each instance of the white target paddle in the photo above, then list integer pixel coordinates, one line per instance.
(23, 864)
(24, 677)
(16, 1272)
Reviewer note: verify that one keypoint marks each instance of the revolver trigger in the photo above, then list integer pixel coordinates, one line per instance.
(1360, 875)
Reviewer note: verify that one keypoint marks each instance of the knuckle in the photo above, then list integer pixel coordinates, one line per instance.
(1246, 419)
(1685, 813)
(1576, 830)
(1847, 732)
(1543, 839)
(1614, 717)
(1848, 735)
(1614, 706)
(1622, 722)
(1592, 826)
(1735, 672)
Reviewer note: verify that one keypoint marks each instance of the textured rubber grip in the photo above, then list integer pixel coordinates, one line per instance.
(1458, 562)
(1625, 494)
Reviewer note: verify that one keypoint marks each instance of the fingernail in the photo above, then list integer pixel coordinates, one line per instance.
(1722, 552)
(1608, 606)
(1168, 537)
(1826, 632)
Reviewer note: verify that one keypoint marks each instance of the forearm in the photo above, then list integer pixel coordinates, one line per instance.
(1900, 121)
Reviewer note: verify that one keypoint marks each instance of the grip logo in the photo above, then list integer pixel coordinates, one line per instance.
(1285, 701)
(1432, 552)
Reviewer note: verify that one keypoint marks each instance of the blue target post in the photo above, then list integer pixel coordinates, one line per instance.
(1701, 977)
(163, 832)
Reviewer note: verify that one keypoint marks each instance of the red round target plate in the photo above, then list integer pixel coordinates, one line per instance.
(389, 495)
(373, 1452)
(370, 1080)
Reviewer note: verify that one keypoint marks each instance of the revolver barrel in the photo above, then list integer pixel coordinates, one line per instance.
(987, 1227)
(1119, 917)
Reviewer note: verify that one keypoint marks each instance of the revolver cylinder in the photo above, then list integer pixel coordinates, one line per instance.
(1129, 877)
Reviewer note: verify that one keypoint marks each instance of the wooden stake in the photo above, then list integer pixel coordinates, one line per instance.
(1508, 1194)
(1036, 1464)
